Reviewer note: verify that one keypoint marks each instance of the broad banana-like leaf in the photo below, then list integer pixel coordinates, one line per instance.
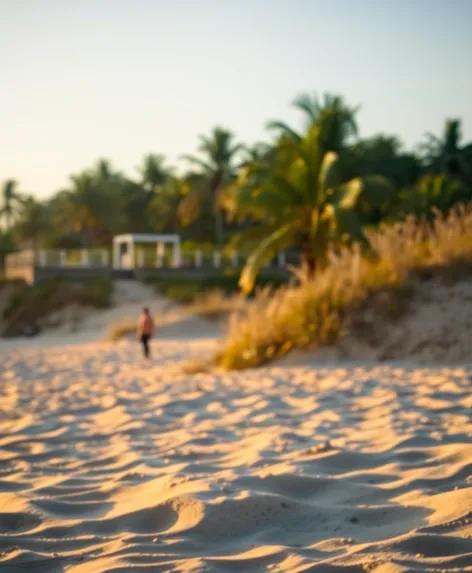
(330, 175)
(281, 239)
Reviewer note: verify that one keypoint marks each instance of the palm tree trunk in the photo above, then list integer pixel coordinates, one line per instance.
(219, 226)
(309, 262)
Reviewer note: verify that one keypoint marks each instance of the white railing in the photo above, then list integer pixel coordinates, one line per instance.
(100, 258)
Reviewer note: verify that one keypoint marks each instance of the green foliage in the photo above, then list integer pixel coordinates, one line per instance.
(97, 292)
(301, 201)
(154, 172)
(321, 308)
(29, 304)
(33, 222)
(383, 155)
(215, 171)
(190, 289)
(444, 155)
(164, 205)
(7, 245)
(432, 193)
(337, 119)
(101, 201)
(11, 199)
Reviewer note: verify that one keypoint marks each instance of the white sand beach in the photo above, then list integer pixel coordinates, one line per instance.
(110, 463)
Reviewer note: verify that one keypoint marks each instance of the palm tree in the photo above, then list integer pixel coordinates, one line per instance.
(430, 193)
(104, 171)
(7, 245)
(216, 170)
(33, 222)
(338, 120)
(383, 155)
(258, 152)
(164, 205)
(445, 154)
(300, 201)
(154, 172)
(11, 200)
(88, 209)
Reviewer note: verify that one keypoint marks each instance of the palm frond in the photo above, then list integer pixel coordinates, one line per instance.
(284, 129)
(251, 236)
(310, 105)
(330, 173)
(281, 239)
(197, 161)
(190, 206)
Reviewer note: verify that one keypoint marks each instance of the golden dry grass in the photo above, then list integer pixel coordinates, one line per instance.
(317, 310)
(121, 329)
(216, 304)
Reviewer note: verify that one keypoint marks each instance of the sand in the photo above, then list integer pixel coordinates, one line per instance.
(109, 463)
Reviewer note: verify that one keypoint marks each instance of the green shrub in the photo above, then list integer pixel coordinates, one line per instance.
(28, 304)
(189, 290)
(97, 292)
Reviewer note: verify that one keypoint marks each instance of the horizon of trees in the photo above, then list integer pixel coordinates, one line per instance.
(230, 187)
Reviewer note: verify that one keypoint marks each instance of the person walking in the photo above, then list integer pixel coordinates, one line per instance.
(145, 330)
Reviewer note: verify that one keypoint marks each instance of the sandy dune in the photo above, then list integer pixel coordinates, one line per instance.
(112, 464)
(436, 328)
(78, 325)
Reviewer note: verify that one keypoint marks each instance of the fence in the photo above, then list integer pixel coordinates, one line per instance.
(144, 258)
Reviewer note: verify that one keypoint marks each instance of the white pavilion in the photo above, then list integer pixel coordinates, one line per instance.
(124, 252)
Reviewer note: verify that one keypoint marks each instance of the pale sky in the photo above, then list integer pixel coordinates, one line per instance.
(84, 79)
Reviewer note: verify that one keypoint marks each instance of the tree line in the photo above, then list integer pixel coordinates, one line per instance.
(304, 189)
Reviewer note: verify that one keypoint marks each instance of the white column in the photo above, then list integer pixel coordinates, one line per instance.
(131, 253)
(198, 258)
(234, 259)
(281, 259)
(159, 254)
(217, 259)
(176, 259)
(85, 258)
(62, 258)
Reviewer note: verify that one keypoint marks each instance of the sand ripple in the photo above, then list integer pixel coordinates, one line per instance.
(109, 464)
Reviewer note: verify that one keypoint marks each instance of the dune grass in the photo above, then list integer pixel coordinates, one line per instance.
(121, 329)
(317, 310)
